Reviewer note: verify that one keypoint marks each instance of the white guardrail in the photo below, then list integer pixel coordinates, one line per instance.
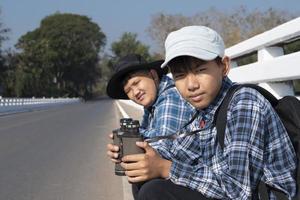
(273, 70)
(9, 105)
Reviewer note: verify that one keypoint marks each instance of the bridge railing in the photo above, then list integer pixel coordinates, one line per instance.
(273, 70)
(25, 104)
(34, 101)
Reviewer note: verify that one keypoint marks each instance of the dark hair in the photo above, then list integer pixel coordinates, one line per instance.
(183, 63)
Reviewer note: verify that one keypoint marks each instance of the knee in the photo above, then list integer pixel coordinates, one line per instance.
(152, 190)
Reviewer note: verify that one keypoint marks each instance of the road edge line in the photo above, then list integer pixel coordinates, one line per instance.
(126, 189)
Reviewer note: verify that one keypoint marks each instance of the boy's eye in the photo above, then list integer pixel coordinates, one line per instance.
(178, 76)
(200, 69)
(136, 82)
(130, 85)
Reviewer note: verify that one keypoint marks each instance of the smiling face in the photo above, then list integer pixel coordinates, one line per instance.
(140, 87)
(198, 81)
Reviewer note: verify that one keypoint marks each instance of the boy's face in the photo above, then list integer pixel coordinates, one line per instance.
(141, 89)
(199, 82)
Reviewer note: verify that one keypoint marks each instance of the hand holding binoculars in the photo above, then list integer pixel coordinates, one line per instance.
(126, 137)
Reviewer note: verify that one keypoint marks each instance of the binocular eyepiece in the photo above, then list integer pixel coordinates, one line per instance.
(126, 137)
(128, 125)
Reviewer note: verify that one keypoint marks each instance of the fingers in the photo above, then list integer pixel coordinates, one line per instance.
(133, 158)
(137, 179)
(113, 156)
(112, 152)
(144, 145)
(115, 160)
(135, 173)
(113, 148)
(136, 176)
(132, 165)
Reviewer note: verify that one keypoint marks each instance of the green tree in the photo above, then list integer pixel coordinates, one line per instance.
(129, 44)
(61, 56)
(106, 69)
(12, 78)
(3, 61)
(3, 32)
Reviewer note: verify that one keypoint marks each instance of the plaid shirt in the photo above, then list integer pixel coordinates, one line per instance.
(256, 147)
(169, 113)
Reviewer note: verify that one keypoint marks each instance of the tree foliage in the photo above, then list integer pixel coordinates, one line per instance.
(3, 32)
(8, 73)
(60, 57)
(234, 26)
(3, 61)
(129, 44)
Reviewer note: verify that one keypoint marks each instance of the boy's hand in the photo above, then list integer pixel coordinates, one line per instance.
(113, 151)
(143, 167)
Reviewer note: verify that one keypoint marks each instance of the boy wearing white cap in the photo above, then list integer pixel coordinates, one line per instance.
(257, 147)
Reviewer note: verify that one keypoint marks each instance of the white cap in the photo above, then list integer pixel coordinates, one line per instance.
(198, 41)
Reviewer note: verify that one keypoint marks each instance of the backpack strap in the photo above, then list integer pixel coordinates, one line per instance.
(269, 96)
(220, 120)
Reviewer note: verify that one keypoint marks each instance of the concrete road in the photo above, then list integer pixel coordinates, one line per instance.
(59, 154)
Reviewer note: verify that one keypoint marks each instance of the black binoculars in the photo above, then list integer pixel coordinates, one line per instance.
(126, 137)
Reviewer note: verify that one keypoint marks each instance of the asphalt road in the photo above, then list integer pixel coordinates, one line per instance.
(59, 154)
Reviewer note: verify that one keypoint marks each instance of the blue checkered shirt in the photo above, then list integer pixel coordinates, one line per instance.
(168, 114)
(257, 148)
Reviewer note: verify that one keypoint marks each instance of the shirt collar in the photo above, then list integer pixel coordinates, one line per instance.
(164, 83)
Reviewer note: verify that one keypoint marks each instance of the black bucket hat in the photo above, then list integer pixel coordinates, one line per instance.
(128, 64)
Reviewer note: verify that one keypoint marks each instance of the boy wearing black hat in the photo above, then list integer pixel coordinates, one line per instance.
(165, 111)
(257, 147)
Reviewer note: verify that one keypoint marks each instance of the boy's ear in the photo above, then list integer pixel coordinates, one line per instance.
(226, 64)
(155, 77)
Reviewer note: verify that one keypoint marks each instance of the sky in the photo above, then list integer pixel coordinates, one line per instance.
(118, 16)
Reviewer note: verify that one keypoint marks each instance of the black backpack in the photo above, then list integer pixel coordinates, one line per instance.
(288, 109)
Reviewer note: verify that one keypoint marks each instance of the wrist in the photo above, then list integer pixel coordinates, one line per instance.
(166, 166)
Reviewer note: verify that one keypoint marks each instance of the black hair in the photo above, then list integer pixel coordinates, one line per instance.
(183, 63)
